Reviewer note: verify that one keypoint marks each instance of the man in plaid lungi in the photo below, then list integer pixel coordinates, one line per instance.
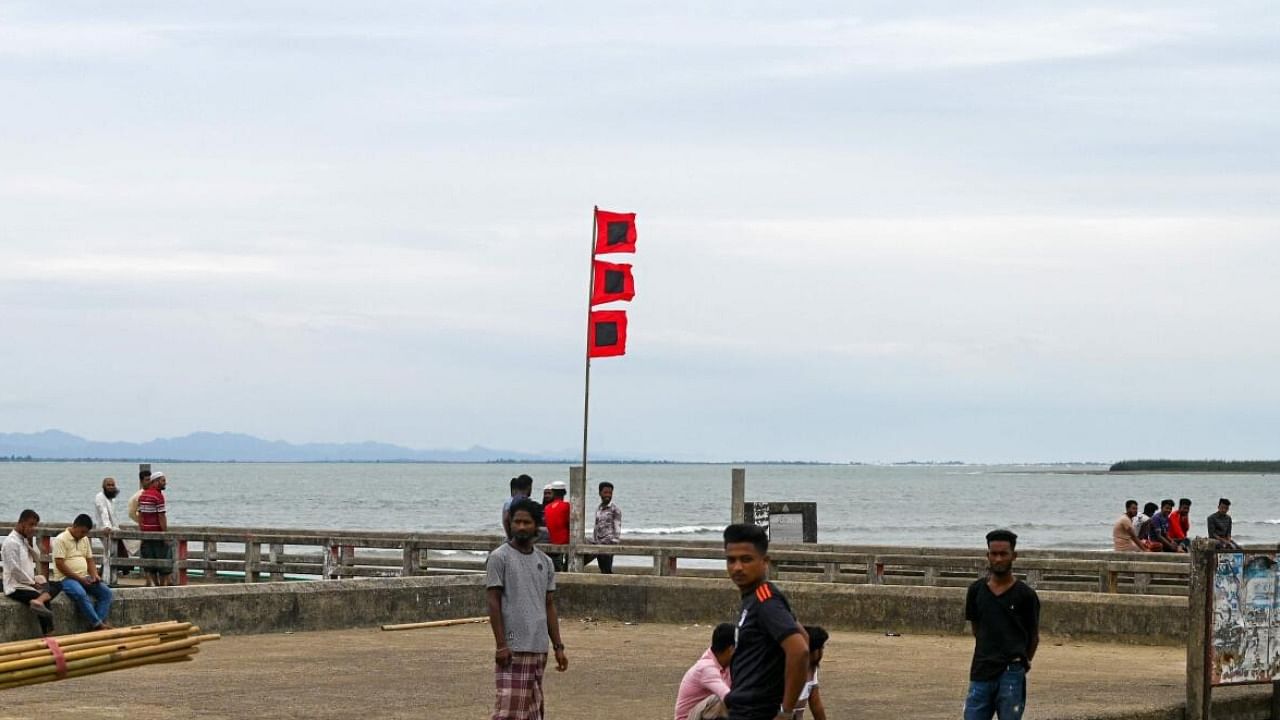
(521, 586)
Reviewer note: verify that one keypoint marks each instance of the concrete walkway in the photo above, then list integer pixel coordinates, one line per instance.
(616, 671)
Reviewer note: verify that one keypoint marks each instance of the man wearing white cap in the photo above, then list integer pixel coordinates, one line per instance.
(556, 514)
(153, 516)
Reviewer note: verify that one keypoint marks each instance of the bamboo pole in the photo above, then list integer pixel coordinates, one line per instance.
(69, 640)
(77, 654)
(103, 658)
(100, 651)
(436, 623)
(175, 656)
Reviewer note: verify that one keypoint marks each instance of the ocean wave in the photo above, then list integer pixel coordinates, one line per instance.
(680, 530)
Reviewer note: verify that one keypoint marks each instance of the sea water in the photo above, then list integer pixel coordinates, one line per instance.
(938, 505)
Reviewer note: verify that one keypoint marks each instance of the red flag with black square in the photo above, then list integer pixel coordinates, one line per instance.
(612, 282)
(615, 232)
(607, 335)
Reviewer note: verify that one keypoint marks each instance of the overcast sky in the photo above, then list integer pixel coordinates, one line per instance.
(1002, 232)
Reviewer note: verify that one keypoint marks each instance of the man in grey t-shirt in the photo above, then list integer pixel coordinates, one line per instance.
(521, 586)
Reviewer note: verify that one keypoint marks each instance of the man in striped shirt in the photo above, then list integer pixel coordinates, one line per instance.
(153, 517)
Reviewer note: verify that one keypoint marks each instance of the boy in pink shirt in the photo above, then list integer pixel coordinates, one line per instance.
(705, 685)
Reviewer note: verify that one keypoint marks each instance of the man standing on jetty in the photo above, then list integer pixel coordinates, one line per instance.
(522, 614)
(1004, 613)
(557, 515)
(771, 659)
(608, 527)
(521, 487)
(153, 516)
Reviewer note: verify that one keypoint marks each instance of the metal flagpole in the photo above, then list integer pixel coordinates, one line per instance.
(586, 391)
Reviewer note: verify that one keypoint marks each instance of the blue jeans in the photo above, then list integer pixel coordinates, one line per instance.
(1005, 697)
(93, 601)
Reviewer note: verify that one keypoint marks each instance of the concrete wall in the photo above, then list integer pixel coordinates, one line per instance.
(1139, 619)
(273, 607)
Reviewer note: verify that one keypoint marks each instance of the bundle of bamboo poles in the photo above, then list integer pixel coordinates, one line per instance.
(31, 662)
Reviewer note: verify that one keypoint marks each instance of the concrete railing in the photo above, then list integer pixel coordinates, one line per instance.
(255, 554)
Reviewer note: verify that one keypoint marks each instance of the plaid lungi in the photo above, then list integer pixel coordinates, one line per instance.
(520, 687)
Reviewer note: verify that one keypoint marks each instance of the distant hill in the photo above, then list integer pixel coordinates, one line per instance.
(225, 447)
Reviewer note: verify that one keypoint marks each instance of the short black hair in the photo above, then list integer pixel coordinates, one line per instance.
(605, 484)
(817, 636)
(1166, 501)
(1003, 535)
(1184, 501)
(1127, 503)
(1150, 508)
(28, 514)
(1224, 501)
(747, 533)
(723, 637)
(83, 521)
(522, 482)
(144, 474)
(526, 505)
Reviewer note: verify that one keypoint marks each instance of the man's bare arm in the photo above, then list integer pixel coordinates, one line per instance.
(797, 651)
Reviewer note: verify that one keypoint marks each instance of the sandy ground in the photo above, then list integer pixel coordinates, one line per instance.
(616, 671)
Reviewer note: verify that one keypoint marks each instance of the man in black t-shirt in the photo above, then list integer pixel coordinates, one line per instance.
(1005, 615)
(771, 659)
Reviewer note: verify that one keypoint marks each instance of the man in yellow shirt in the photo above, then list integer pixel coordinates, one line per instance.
(76, 574)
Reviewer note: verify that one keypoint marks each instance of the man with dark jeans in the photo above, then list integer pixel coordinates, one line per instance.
(608, 528)
(1004, 613)
(21, 583)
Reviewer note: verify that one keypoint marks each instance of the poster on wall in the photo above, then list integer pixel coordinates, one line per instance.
(1246, 625)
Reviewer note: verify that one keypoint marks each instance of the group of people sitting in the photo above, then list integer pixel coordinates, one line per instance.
(1164, 529)
(706, 685)
(74, 570)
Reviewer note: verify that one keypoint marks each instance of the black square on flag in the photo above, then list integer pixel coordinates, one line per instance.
(614, 281)
(606, 334)
(618, 233)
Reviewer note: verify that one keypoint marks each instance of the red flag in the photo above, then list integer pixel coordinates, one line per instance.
(607, 336)
(612, 282)
(615, 232)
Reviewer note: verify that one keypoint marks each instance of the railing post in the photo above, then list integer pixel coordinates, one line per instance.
(346, 568)
(577, 515)
(1035, 576)
(411, 560)
(210, 560)
(737, 495)
(875, 571)
(1199, 690)
(179, 569)
(830, 572)
(46, 550)
(108, 559)
(275, 557)
(252, 551)
(332, 559)
(1142, 583)
(665, 564)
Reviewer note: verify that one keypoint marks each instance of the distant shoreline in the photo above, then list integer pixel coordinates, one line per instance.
(1197, 466)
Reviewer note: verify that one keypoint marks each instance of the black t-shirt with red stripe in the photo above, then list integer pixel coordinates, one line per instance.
(759, 667)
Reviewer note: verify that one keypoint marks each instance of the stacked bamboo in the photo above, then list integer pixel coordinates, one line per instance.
(31, 662)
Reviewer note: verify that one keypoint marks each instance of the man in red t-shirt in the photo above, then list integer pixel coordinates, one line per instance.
(153, 516)
(1180, 523)
(556, 515)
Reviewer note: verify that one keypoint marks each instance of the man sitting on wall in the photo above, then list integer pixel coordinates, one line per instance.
(21, 583)
(75, 573)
